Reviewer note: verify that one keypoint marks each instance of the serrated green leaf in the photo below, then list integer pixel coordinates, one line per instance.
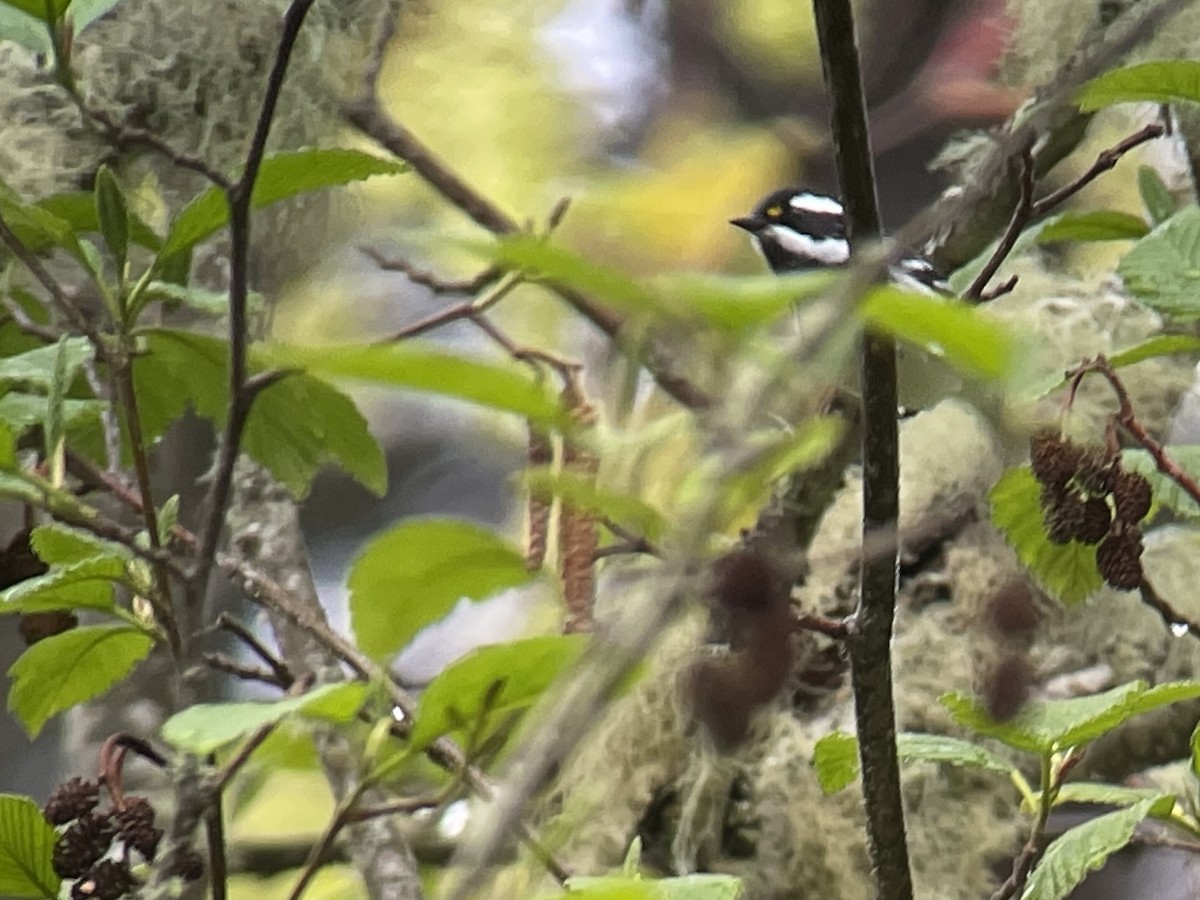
(70, 668)
(168, 516)
(504, 386)
(1065, 571)
(1165, 81)
(413, 574)
(965, 336)
(1114, 795)
(731, 303)
(282, 175)
(466, 689)
(215, 303)
(38, 229)
(1083, 849)
(87, 584)
(1166, 491)
(297, 425)
(1098, 225)
(1055, 725)
(582, 493)
(835, 760)
(37, 367)
(24, 29)
(943, 749)
(61, 545)
(1163, 268)
(26, 849)
(1160, 345)
(112, 213)
(1156, 196)
(301, 424)
(207, 727)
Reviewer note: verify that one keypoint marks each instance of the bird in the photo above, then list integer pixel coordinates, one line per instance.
(798, 230)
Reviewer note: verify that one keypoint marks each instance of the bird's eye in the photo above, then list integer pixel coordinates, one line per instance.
(774, 212)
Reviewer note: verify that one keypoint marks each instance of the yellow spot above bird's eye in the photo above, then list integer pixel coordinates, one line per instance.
(775, 211)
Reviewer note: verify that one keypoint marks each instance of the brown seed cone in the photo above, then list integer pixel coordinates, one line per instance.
(109, 879)
(578, 532)
(540, 453)
(188, 865)
(70, 800)
(1053, 458)
(1119, 557)
(1132, 495)
(1064, 518)
(135, 825)
(1094, 475)
(1093, 526)
(82, 844)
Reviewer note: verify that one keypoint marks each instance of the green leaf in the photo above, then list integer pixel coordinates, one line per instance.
(1083, 849)
(412, 575)
(297, 425)
(300, 424)
(45, 10)
(26, 848)
(1100, 225)
(1160, 345)
(943, 749)
(612, 286)
(1163, 268)
(22, 412)
(466, 689)
(55, 425)
(582, 493)
(1065, 571)
(8, 446)
(213, 303)
(835, 760)
(24, 29)
(38, 229)
(207, 727)
(965, 336)
(58, 544)
(738, 303)
(503, 386)
(69, 668)
(1054, 725)
(78, 209)
(1156, 196)
(1165, 490)
(168, 516)
(112, 212)
(37, 367)
(1165, 81)
(282, 175)
(83, 13)
(1114, 795)
(87, 584)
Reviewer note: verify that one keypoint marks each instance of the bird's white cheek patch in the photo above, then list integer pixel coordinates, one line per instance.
(831, 251)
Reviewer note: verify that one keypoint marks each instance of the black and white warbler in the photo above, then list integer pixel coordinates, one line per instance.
(796, 230)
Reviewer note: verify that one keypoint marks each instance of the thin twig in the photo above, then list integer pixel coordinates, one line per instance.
(1016, 224)
(431, 280)
(279, 669)
(238, 196)
(252, 743)
(223, 663)
(321, 848)
(1105, 161)
(122, 136)
(403, 806)
(214, 831)
(1171, 617)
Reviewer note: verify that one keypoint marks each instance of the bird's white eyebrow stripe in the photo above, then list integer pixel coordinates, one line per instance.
(816, 203)
(832, 251)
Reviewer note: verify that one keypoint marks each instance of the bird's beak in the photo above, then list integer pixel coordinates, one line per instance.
(747, 223)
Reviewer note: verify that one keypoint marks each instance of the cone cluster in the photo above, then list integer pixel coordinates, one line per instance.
(1088, 497)
(94, 846)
